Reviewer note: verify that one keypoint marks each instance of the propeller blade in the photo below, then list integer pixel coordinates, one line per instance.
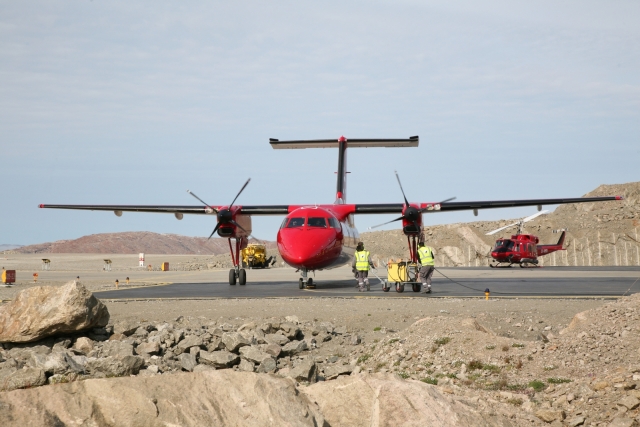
(203, 202)
(241, 190)
(439, 203)
(385, 223)
(535, 215)
(501, 228)
(214, 230)
(248, 234)
(406, 202)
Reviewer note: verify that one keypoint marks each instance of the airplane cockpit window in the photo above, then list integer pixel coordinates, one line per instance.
(334, 223)
(317, 222)
(284, 223)
(295, 222)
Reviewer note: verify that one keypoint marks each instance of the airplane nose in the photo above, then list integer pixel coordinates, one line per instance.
(308, 248)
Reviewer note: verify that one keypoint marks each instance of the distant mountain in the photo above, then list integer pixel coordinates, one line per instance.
(132, 243)
(8, 247)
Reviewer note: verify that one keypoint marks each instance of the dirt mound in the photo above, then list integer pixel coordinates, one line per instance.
(604, 233)
(132, 243)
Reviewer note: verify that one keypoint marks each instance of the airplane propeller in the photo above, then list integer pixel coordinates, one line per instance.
(225, 216)
(518, 223)
(410, 213)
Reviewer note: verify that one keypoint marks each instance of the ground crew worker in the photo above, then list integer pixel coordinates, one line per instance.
(427, 265)
(360, 266)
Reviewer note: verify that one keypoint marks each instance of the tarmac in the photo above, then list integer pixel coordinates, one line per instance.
(558, 282)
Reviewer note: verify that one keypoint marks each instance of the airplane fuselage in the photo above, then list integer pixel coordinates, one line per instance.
(317, 237)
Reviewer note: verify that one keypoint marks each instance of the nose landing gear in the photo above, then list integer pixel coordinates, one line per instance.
(305, 282)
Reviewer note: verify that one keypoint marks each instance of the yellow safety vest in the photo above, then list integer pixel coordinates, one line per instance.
(362, 260)
(426, 255)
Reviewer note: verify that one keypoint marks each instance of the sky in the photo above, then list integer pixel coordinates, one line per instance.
(119, 102)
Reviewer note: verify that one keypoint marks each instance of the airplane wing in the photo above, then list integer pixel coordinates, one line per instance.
(174, 209)
(392, 208)
(375, 208)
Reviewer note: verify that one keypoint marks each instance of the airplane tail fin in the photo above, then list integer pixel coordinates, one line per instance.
(342, 143)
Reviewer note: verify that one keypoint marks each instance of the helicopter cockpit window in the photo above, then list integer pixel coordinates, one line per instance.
(295, 222)
(503, 246)
(317, 222)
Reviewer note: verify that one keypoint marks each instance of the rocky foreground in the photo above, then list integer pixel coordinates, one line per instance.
(442, 370)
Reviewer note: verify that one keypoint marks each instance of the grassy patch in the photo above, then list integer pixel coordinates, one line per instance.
(392, 340)
(376, 329)
(517, 345)
(490, 347)
(442, 341)
(403, 375)
(558, 380)
(475, 364)
(537, 385)
(363, 358)
(516, 401)
(430, 380)
(550, 367)
(453, 376)
(380, 365)
(492, 368)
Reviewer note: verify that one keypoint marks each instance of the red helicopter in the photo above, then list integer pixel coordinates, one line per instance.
(317, 237)
(522, 249)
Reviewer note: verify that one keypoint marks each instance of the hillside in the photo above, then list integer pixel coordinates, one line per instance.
(604, 233)
(131, 243)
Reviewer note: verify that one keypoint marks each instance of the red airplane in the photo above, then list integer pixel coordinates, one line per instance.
(317, 237)
(522, 249)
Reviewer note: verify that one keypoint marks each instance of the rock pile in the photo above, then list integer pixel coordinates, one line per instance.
(282, 346)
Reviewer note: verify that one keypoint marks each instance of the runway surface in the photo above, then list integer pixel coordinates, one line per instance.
(573, 282)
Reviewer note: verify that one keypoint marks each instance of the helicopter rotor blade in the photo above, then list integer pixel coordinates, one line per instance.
(535, 215)
(239, 192)
(203, 202)
(385, 223)
(406, 202)
(501, 228)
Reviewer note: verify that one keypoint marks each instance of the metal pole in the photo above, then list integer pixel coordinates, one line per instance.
(626, 254)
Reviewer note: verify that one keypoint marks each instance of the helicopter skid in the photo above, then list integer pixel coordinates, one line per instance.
(501, 265)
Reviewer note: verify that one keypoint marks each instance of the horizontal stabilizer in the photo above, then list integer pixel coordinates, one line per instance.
(351, 143)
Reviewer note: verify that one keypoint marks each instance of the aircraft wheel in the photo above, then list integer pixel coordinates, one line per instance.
(399, 287)
(242, 277)
(416, 287)
(300, 283)
(310, 284)
(232, 277)
(386, 288)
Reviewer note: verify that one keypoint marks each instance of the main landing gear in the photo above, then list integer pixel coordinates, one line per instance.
(237, 274)
(305, 282)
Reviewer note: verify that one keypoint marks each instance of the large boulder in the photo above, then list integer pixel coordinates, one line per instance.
(209, 398)
(44, 311)
(383, 400)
